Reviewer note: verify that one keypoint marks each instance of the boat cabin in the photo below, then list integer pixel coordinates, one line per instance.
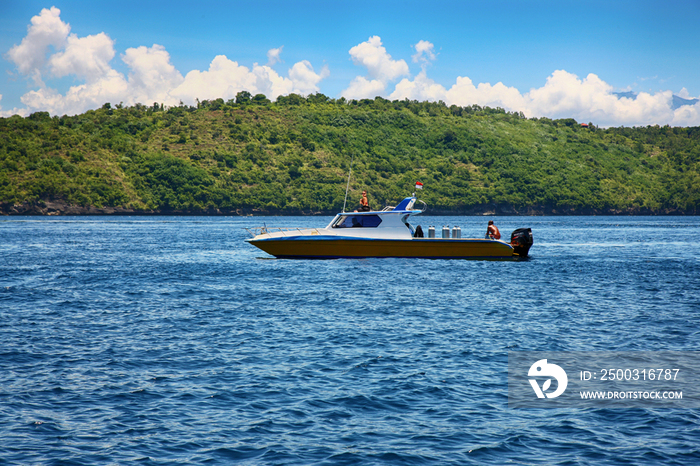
(392, 222)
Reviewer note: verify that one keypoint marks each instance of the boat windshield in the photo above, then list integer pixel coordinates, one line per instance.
(358, 221)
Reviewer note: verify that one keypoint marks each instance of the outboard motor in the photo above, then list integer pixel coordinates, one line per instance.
(521, 240)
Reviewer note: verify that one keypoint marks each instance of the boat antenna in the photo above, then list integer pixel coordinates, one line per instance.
(348, 185)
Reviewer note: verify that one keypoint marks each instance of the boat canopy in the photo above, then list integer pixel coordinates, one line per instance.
(406, 204)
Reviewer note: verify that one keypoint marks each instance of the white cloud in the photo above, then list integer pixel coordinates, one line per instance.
(49, 50)
(110, 88)
(46, 30)
(86, 57)
(304, 78)
(151, 75)
(15, 111)
(273, 56)
(421, 88)
(464, 93)
(564, 95)
(591, 99)
(380, 66)
(363, 88)
(687, 115)
(372, 55)
(684, 94)
(424, 52)
(269, 82)
(225, 78)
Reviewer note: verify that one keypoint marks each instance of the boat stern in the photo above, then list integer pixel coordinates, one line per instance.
(521, 240)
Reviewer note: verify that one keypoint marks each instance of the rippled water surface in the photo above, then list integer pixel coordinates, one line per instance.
(163, 340)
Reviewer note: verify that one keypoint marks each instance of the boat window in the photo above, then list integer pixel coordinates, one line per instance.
(358, 221)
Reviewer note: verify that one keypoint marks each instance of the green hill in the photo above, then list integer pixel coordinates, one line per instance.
(292, 156)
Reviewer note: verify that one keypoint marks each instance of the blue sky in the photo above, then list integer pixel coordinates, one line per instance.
(545, 58)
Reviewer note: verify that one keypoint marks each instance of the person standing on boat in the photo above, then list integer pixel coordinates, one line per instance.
(492, 231)
(364, 203)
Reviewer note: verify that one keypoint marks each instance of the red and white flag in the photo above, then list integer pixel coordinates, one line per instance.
(419, 185)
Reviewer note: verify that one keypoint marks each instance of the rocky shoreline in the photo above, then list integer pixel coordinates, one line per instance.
(61, 208)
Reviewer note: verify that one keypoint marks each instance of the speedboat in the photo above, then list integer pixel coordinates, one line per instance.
(385, 233)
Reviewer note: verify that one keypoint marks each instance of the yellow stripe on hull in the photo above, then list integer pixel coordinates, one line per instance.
(436, 248)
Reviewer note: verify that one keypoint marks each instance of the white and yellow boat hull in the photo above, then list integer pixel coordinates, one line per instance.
(333, 247)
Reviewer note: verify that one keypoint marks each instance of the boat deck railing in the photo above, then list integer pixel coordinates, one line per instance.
(264, 230)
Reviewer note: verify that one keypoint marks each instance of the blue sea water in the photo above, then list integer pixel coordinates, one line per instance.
(169, 340)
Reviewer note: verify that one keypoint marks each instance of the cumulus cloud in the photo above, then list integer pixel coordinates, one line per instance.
(225, 78)
(151, 76)
(109, 88)
(381, 69)
(273, 56)
(268, 82)
(421, 88)
(464, 93)
(372, 55)
(86, 57)
(424, 52)
(684, 94)
(49, 50)
(46, 30)
(592, 99)
(564, 95)
(305, 79)
(363, 88)
(15, 111)
(687, 115)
